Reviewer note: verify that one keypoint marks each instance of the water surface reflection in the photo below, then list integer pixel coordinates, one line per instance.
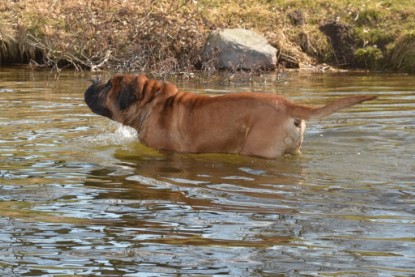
(78, 194)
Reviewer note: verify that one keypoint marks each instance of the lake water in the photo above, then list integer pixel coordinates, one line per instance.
(80, 196)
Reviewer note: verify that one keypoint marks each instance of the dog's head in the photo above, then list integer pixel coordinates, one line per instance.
(122, 96)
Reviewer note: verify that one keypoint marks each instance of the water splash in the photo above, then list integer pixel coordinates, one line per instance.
(126, 133)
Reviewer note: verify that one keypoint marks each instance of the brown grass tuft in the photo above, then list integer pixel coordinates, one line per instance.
(403, 53)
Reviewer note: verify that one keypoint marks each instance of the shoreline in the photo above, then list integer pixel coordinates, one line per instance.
(169, 36)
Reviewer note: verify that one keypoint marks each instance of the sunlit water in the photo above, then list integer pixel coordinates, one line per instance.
(79, 194)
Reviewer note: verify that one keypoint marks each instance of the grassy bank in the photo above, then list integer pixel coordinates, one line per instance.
(163, 36)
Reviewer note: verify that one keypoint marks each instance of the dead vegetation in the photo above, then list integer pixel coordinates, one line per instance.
(168, 36)
(402, 56)
(97, 34)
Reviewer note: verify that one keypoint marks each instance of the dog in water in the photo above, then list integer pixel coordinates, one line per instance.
(254, 124)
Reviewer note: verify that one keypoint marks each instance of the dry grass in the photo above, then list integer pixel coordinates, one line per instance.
(98, 34)
(403, 53)
(167, 36)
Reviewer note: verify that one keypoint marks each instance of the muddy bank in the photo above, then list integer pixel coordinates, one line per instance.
(167, 36)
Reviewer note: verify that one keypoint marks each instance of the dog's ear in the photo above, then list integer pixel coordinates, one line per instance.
(128, 94)
(132, 90)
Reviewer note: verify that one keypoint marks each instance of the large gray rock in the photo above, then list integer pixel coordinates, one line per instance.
(239, 49)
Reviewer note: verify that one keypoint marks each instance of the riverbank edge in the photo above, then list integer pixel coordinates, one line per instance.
(169, 36)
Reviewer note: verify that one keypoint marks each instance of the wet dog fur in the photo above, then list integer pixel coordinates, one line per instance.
(253, 124)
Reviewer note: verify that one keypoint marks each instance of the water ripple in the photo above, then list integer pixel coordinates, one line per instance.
(80, 196)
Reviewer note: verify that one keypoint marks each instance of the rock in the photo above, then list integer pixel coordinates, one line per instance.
(239, 49)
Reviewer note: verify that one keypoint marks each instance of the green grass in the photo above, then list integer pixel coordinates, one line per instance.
(369, 57)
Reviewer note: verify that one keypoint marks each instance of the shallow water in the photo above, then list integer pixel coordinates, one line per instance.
(79, 194)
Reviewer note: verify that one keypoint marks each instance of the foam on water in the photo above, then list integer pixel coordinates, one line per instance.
(126, 133)
(113, 133)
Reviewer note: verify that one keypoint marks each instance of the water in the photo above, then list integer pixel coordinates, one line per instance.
(79, 195)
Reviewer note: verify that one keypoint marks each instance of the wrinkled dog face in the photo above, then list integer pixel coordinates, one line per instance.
(115, 96)
(95, 98)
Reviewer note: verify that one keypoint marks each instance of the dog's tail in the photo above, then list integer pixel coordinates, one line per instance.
(309, 112)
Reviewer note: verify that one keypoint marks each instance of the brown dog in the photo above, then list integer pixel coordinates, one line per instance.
(254, 124)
